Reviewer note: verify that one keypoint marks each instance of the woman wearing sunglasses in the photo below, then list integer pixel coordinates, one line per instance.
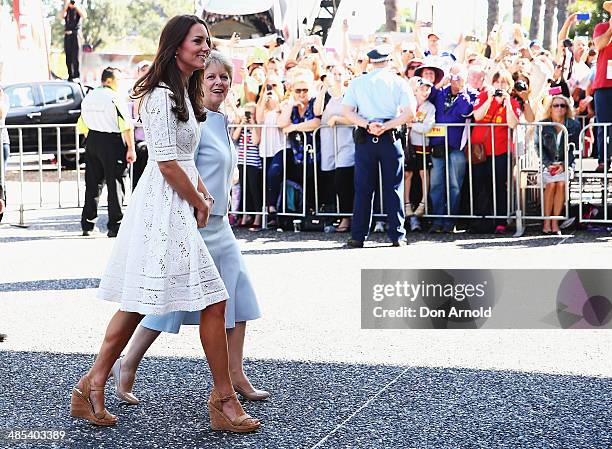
(298, 120)
(557, 157)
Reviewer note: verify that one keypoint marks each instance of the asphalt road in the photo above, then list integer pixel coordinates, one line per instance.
(334, 385)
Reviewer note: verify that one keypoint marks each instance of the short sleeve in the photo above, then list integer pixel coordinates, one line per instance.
(124, 118)
(349, 97)
(406, 96)
(482, 99)
(600, 29)
(516, 107)
(162, 124)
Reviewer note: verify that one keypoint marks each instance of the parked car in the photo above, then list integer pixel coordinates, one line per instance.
(42, 103)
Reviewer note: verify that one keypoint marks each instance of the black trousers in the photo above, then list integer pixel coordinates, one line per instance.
(345, 188)
(253, 196)
(142, 158)
(106, 164)
(71, 48)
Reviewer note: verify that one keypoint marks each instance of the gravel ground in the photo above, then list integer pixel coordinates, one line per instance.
(421, 408)
(334, 385)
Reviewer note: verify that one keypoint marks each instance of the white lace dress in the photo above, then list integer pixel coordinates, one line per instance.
(159, 263)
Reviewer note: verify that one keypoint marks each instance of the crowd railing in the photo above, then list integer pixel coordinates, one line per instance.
(594, 188)
(524, 189)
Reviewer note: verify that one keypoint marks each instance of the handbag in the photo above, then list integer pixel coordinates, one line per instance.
(477, 151)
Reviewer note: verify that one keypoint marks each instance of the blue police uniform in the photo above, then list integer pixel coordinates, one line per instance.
(377, 97)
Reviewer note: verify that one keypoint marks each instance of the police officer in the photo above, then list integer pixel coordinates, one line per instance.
(72, 16)
(106, 121)
(378, 103)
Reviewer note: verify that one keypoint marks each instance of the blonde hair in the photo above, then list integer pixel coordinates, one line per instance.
(219, 58)
(505, 76)
(548, 102)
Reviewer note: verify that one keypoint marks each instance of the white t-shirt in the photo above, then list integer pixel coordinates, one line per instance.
(425, 119)
(272, 138)
(580, 76)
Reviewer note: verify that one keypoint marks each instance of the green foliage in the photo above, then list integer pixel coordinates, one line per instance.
(134, 26)
(147, 18)
(598, 15)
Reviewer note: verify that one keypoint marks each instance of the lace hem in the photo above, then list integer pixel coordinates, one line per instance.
(177, 306)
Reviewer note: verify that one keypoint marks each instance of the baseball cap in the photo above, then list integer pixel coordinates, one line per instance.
(381, 53)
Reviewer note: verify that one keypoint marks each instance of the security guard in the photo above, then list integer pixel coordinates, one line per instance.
(378, 103)
(106, 122)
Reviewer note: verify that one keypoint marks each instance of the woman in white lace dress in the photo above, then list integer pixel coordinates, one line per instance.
(159, 262)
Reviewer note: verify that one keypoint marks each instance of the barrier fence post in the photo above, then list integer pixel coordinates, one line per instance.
(604, 196)
(59, 166)
(21, 180)
(40, 170)
(520, 228)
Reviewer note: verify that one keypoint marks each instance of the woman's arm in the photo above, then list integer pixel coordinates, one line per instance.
(605, 39)
(308, 125)
(176, 177)
(236, 132)
(256, 136)
(481, 112)
(260, 110)
(284, 119)
(320, 100)
(511, 118)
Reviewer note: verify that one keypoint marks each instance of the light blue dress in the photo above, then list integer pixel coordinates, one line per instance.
(215, 160)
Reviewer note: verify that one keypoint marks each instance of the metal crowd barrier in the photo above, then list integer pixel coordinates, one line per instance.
(594, 188)
(522, 161)
(284, 184)
(39, 152)
(524, 190)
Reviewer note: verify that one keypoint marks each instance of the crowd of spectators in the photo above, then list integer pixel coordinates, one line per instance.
(294, 91)
(291, 135)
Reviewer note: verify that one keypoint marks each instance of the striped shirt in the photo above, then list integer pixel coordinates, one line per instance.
(252, 150)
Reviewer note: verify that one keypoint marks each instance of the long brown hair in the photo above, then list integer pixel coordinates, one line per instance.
(164, 69)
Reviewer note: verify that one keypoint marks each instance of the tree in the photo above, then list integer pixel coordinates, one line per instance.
(111, 22)
(148, 18)
(492, 14)
(598, 15)
(549, 16)
(106, 22)
(517, 11)
(391, 15)
(561, 12)
(534, 26)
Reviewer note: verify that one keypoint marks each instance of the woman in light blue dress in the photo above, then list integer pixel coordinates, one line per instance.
(215, 160)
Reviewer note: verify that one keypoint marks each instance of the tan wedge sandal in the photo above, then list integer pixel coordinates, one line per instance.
(81, 406)
(219, 420)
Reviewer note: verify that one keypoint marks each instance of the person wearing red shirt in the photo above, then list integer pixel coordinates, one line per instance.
(494, 105)
(602, 85)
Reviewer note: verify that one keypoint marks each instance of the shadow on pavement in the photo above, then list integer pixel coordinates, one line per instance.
(417, 408)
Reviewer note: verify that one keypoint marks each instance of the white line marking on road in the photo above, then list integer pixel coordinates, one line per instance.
(341, 425)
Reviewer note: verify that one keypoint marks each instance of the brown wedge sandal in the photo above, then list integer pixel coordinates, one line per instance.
(81, 406)
(219, 420)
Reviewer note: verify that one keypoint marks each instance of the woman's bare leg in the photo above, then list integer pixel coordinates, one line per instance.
(558, 203)
(549, 194)
(141, 342)
(407, 183)
(235, 344)
(425, 185)
(118, 333)
(214, 342)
